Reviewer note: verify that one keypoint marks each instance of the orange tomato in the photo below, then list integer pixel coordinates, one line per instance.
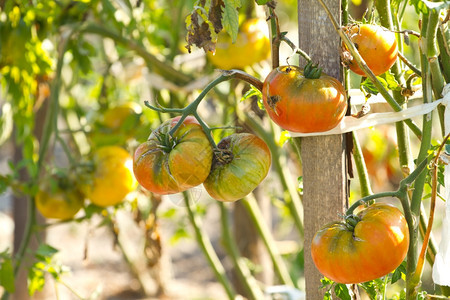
(376, 45)
(365, 247)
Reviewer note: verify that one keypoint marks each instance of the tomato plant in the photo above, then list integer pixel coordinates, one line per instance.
(58, 202)
(376, 45)
(242, 162)
(112, 178)
(304, 101)
(252, 45)
(364, 247)
(171, 163)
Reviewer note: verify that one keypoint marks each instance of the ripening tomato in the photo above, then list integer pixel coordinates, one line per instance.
(238, 168)
(252, 45)
(112, 178)
(58, 203)
(365, 247)
(167, 164)
(123, 115)
(304, 101)
(376, 45)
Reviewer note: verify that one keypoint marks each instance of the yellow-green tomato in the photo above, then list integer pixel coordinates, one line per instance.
(242, 162)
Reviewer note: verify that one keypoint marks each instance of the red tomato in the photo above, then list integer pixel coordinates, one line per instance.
(238, 168)
(168, 165)
(300, 104)
(374, 247)
(376, 45)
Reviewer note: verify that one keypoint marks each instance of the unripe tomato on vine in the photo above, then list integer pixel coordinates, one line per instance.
(58, 197)
(169, 164)
(240, 164)
(304, 100)
(112, 178)
(364, 247)
(252, 46)
(376, 45)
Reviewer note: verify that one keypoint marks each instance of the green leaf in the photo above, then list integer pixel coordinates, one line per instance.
(423, 6)
(373, 288)
(369, 87)
(179, 234)
(397, 275)
(252, 92)
(7, 275)
(230, 18)
(261, 2)
(342, 292)
(391, 82)
(45, 251)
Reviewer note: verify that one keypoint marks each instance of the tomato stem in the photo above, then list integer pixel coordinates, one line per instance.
(276, 36)
(191, 109)
(208, 250)
(401, 192)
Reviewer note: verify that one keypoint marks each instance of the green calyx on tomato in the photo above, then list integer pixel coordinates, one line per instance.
(312, 71)
(171, 163)
(363, 247)
(314, 102)
(240, 163)
(351, 221)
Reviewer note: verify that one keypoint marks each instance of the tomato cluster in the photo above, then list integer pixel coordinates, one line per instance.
(171, 163)
(105, 183)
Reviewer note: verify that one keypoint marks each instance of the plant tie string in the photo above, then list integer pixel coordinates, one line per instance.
(350, 123)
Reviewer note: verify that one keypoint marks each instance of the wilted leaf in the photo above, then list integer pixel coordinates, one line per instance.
(207, 19)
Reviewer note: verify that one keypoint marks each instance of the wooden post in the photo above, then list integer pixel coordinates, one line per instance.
(323, 158)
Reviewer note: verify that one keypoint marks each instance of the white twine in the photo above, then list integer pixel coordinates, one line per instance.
(350, 123)
(441, 267)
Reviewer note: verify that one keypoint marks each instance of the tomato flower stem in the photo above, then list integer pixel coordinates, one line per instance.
(295, 49)
(409, 64)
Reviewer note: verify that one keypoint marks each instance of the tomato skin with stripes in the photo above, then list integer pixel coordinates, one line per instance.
(168, 165)
(242, 162)
(363, 248)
